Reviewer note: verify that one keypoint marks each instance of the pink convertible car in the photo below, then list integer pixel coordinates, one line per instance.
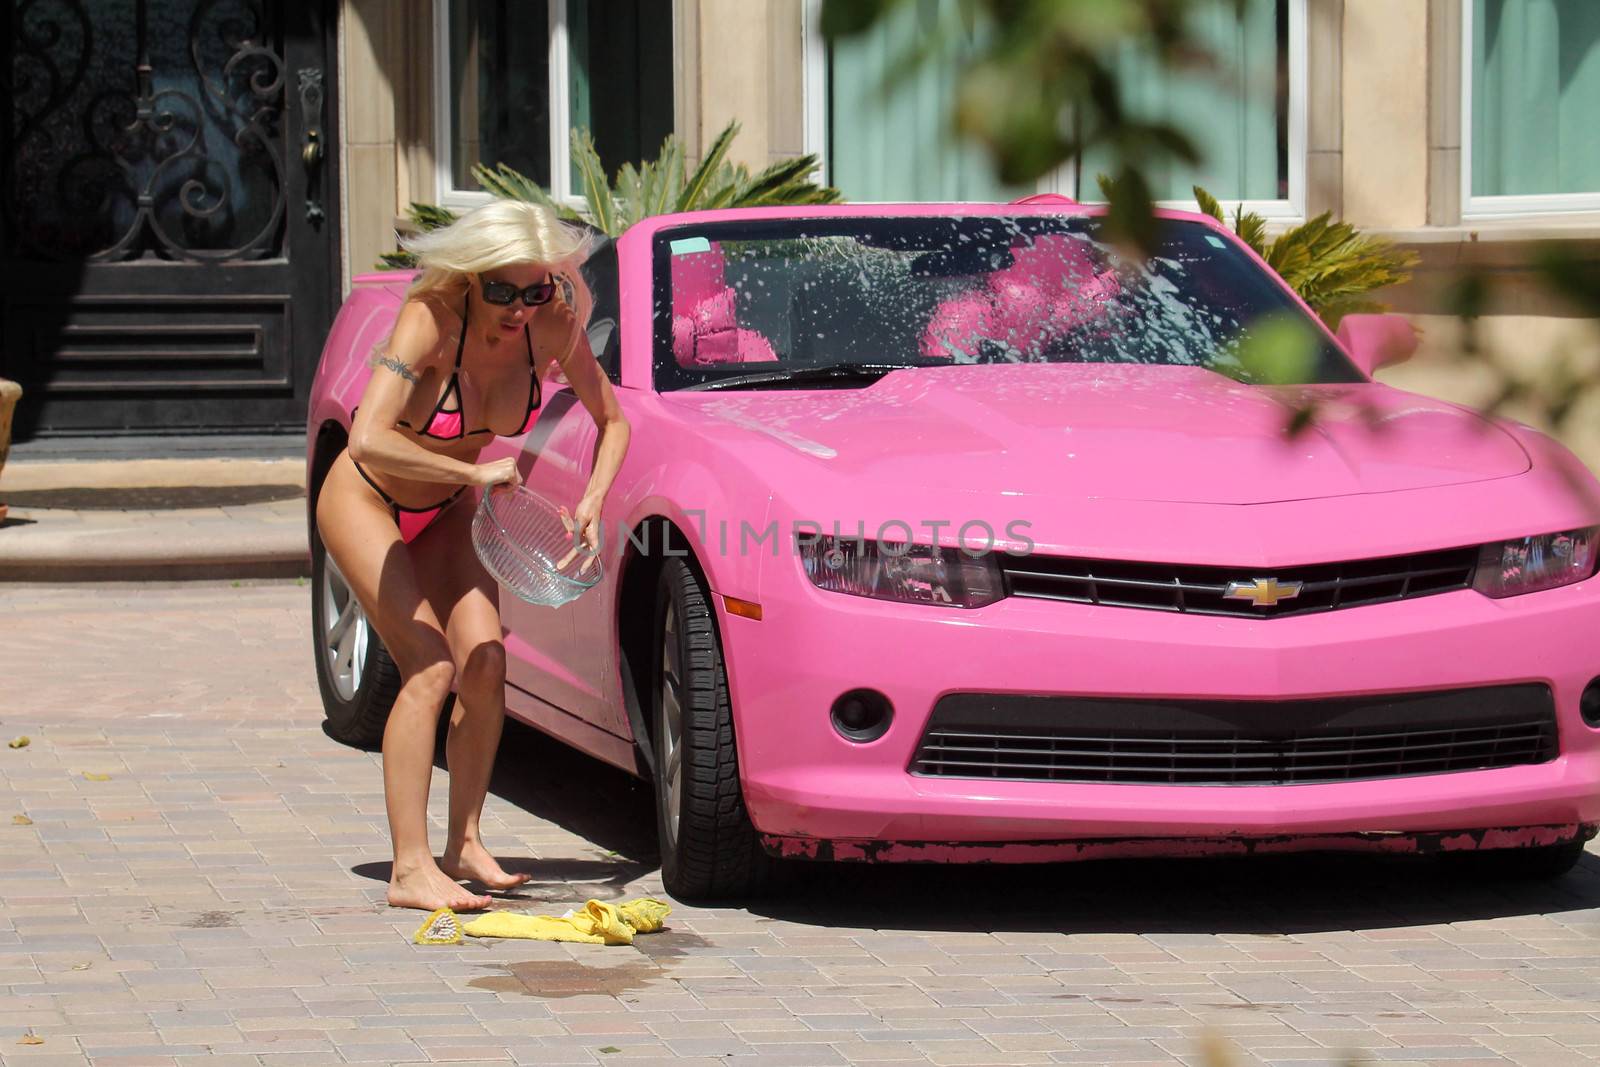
(945, 533)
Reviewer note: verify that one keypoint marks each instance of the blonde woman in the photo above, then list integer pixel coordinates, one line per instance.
(499, 297)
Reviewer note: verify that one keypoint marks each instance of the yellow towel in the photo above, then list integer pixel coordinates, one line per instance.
(596, 923)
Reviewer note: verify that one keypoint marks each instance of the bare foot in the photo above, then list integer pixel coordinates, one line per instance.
(473, 862)
(427, 888)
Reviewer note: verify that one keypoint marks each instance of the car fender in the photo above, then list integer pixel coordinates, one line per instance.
(1568, 483)
(709, 510)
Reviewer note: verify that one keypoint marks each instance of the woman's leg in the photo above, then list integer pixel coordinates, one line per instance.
(359, 532)
(463, 594)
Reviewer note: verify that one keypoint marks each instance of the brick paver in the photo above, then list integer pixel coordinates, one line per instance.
(202, 882)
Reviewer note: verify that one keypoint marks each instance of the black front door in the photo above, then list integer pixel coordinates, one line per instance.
(170, 219)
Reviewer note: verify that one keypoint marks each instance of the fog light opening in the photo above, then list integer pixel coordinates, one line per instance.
(862, 715)
(1589, 703)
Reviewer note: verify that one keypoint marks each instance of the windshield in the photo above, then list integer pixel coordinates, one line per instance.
(758, 299)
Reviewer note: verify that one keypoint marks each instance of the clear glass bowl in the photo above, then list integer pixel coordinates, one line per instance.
(520, 538)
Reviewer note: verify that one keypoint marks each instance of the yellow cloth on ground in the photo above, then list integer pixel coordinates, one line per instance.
(596, 923)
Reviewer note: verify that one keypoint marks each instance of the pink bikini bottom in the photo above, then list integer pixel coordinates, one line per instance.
(411, 521)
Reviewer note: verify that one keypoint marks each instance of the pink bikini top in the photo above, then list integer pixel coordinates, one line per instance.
(445, 423)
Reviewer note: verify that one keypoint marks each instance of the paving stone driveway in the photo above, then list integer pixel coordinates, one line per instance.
(217, 894)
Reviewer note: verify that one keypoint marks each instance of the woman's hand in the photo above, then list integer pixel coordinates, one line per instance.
(496, 473)
(584, 526)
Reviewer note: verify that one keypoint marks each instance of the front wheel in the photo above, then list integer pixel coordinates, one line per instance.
(709, 848)
(358, 679)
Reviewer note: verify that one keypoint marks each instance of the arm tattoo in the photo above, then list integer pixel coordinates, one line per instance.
(398, 367)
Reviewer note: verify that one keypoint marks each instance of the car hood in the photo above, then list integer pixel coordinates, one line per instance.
(1176, 434)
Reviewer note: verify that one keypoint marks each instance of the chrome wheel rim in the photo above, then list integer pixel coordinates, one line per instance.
(345, 634)
(671, 697)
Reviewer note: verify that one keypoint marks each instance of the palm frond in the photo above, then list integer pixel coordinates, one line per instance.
(1252, 230)
(508, 183)
(596, 189)
(427, 217)
(668, 185)
(707, 174)
(1332, 265)
(629, 193)
(1208, 204)
(653, 187)
(779, 183)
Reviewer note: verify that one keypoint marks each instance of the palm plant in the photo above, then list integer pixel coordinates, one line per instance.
(654, 187)
(1332, 265)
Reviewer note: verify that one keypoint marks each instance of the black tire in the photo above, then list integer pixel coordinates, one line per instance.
(1538, 863)
(711, 850)
(359, 682)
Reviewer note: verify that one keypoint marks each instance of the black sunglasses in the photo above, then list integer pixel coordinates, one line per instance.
(504, 293)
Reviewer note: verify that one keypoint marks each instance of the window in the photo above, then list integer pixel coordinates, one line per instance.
(517, 75)
(900, 147)
(1531, 77)
(1249, 122)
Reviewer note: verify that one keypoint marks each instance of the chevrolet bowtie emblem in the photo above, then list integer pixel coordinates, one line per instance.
(1262, 592)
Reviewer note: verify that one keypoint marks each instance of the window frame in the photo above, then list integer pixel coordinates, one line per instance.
(447, 194)
(1506, 206)
(1064, 179)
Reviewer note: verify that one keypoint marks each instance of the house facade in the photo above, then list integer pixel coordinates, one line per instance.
(1456, 128)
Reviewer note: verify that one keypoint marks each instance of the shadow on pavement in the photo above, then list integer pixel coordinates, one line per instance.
(552, 880)
(554, 782)
(557, 784)
(1264, 895)
(152, 498)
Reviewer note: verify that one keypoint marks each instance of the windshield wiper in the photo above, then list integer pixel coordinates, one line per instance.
(823, 372)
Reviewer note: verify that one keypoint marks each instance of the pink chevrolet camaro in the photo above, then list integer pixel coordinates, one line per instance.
(948, 533)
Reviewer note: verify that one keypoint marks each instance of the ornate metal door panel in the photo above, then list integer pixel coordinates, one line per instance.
(168, 201)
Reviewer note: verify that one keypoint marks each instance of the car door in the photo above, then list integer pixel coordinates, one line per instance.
(550, 651)
(593, 656)
(538, 639)
(595, 678)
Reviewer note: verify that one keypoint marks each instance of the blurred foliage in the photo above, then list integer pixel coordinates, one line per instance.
(1039, 62)
(1571, 271)
(1042, 89)
(1561, 380)
(655, 187)
(1278, 349)
(1332, 265)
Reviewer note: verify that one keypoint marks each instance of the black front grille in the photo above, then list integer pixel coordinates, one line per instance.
(1202, 590)
(1199, 742)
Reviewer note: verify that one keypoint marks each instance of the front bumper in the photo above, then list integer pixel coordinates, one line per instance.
(804, 783)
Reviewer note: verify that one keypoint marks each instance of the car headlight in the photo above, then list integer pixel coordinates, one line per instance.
(1529, 564)
(914, 574)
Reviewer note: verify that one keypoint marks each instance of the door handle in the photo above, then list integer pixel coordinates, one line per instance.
(311, 151)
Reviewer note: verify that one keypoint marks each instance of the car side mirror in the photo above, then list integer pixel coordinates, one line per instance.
(1375, 341)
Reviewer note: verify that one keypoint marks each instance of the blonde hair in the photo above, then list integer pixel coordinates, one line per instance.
(499, 234)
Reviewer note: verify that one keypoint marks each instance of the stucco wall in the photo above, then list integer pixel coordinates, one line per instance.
(1385, 122)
